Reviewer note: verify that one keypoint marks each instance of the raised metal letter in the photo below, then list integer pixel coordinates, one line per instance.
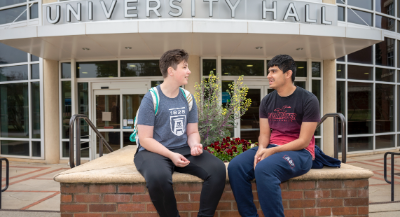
(90, 10)
(128, 8)
(70, 10)
(210, 2)
(58, 12)
(180, 11)
(323, 16)
(308, 19)
(154, 9)
(265, 10)
(193, 8)
(232, 7)
(291, 12)
(109, 12)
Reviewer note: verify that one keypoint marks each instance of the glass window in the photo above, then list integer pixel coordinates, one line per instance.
(367, 4)
(36, 149)
(341, 59)
(34, 58)
(385, 141)
(318, 142)
(243, 67)
(341, 15)
(14, 110)
(84, 149)
(65, 70)
(127, 141)
(340, 71)
(10, 55)
(14, 73)
(301, 69)
(316, 90)
(384, 52)
(83, 107)
(301, 84)
(9, 15)
(113, 139)
(359, 102)
(35, 108)
(65, 107)
(398, 76)
(398, 27)
(360, 144)
(359, 17)
(34, 12)
(341, 1)
(385, 6)
(385, 22)
(209, 66)
(20, 148)
(134, 68)
(361, 56)
(316, 69)
(398, 110)
(35, 71)
(398, 53)
(4, 3)
(108, 106)
(359, 72)
(340, 97)
(384, 106)
(130, 104)
(156, 83)
(385, 74)
(97, 69)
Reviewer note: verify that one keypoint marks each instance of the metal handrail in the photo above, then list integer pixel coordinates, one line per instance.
(7, 175)
(75, 118)
(335, 117)
(391, 171)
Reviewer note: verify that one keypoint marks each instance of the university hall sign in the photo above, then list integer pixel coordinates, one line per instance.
(311, 11)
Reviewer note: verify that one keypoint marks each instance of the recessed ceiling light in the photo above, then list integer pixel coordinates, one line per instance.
(85, 48)
(226, 73)
(132, 65)
(249, 65)
(259, 48)
(300, 48)
(213, 69)
(339, 70)
(128, 48)
(84, 72)
(366, 73)
(300, 67)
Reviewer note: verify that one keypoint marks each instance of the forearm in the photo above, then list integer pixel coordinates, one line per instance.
(294, 145)
(152, 145)
(263, 140)
(193, 139)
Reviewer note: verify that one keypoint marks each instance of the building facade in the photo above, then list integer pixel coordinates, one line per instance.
(98, 58)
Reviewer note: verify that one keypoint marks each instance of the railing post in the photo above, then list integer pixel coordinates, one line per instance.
(71, 142)
(7, 176)
(78, 142)
(336, 138)
(392, 178)
(100, 147)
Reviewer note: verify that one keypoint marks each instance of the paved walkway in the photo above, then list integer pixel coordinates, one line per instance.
(32, 191)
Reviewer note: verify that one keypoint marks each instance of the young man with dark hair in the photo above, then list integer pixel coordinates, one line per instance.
(288, 118)
(170, 141)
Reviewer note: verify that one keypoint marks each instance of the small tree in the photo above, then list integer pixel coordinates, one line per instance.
(214, 118)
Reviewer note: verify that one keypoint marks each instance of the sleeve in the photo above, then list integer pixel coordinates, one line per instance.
(193, 117)
(146, 111)
(263, 108)
(311, 110)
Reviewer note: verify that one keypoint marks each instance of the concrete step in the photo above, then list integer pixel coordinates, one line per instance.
(28, 213)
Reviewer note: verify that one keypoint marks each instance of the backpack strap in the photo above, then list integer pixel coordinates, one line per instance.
(156, 98)
(188, 97)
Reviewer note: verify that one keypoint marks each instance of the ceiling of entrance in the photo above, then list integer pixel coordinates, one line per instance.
(76, 41)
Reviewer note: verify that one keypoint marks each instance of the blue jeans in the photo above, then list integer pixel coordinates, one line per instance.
(269, 174)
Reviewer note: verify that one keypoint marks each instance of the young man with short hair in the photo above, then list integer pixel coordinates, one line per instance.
(287, 151)
(170, 141)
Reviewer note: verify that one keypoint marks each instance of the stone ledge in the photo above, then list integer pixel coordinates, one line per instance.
(118, 167)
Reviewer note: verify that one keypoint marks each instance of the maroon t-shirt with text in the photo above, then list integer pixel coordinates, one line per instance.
(285, 115)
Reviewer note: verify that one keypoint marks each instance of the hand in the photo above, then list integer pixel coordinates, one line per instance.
(179, 160)
(196, 150)
(262, 154)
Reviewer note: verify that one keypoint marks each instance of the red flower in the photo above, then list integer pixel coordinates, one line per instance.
(217, 148)
(243, 141)
(205, 148)
(234, 148)
(237, 139)
(228, 138)
(229, 151)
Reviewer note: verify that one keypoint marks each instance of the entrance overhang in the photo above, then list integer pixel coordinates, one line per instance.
(203, 37)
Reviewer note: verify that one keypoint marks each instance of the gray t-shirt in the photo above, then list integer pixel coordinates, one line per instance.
(171, 120)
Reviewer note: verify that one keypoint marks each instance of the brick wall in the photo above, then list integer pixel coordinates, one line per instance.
(300, 198)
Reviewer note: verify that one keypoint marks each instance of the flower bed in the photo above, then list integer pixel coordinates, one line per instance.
(228, 148)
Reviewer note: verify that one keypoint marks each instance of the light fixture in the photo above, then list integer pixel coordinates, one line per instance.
(249, 65)
(259, 48)
(128, 48)
(300, 48)
(85, 48)
(84, 72)
(132, 66)
(300, 67)
(214, 69)
(366, 73)
(226, 73)
(339, 70)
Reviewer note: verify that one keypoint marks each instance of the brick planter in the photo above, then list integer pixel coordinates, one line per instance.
(300, 198)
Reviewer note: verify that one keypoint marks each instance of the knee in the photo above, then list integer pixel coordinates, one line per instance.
(233, 166)
(219, 171)
(158, 181)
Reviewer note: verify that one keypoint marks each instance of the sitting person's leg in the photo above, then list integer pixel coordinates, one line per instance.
(275, 169)
(157, 171)
(213, 171)
(241, 173)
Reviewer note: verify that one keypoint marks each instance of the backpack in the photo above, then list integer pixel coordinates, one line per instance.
(156, 101)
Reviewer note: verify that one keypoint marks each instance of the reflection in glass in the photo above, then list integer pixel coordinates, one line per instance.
(107, 112)
(36, 149)
(83, 107)
(65, 107)
(243, 67)
(14, 110)
(156, 83)
(316, 69)
(35, 71)
(340, 71)
(384, 22)
(301, 69)
(84, 149)
(362, 18)
(384, 141)
(384, 52)
(35, 109)
(113, 139)
(341, 16)
(340, 97)
(14, 73)
(34, 58)
(367, 4)
(209, 66)
(97, 69)
(341, 59)
(359, 144)
(65, 70)
(301, 84)
(341, 1)
(10, 55)
(134, 68)
(9, 15)
(9, 147)
(249, 122)
(316, 90)
(34, 12)
(318, 142)
(130, 105)
(126, 140)
(384, 106)
(361, 56)
(4, 3)
(384, 74)
(385, 6)
(359, 102)
(359, 72)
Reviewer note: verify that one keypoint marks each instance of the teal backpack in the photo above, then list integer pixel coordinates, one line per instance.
(156, 101)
